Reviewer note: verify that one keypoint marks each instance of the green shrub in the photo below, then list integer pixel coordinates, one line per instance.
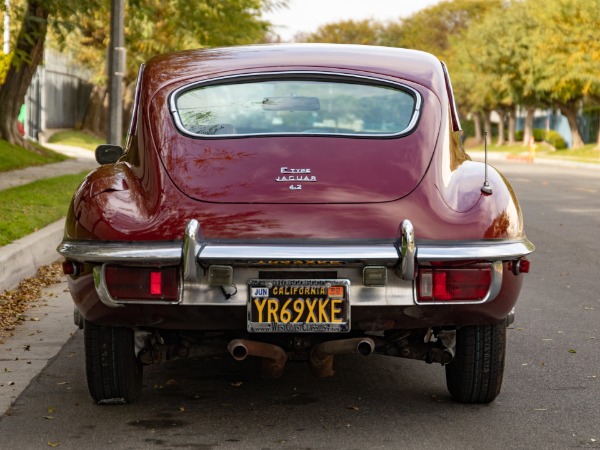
(538, 134)
(555, 139)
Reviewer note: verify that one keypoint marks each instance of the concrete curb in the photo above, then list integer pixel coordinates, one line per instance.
(21, 258)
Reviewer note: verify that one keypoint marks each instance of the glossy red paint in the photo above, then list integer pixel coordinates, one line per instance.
(366, 187)
(138, 200)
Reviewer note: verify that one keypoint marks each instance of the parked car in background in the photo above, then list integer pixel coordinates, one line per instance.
(299, 200)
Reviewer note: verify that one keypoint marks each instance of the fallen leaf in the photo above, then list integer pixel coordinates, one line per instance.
(11, 383)
(48, 417)
(572, 350)
(51, 410)
(355, 408)
(7, 370)
(26, 347)
(171, 382)
(237, 383)
(53, 444)
(182, 409)
(35, 319)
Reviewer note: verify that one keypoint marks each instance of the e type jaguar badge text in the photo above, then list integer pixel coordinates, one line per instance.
(294, 176)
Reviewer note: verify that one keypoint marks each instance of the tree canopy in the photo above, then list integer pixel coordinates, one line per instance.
(158, 26)
(501, 54)
(153, 26)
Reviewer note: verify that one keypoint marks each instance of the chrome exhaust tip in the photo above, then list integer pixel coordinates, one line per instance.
(321, 356)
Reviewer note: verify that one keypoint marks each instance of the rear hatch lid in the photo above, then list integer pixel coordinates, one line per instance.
(300, 138)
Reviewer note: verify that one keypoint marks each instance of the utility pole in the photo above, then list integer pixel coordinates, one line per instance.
(116, 72)
(7, 28)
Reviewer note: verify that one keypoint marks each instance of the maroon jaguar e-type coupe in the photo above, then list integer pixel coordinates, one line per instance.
(294, 200)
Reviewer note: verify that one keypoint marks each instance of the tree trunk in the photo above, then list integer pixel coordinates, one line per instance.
(528, 131)
(487, 125)
(512, 126)
(569, 110)
(96, 116)
(30, 42)
(500, 140)
(598, 137)
(477, 125)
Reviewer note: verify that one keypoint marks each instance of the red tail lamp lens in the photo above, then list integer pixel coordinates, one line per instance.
(72, 268)
(142, 283)
(437, 284)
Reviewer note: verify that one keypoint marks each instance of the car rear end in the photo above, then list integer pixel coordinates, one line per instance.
(300, 212)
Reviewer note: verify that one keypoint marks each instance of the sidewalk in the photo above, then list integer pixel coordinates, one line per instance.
(82, 160)
(48, 322)
(48, 325)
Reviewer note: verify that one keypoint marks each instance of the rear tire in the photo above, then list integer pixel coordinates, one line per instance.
(475, 374)
(114, 375)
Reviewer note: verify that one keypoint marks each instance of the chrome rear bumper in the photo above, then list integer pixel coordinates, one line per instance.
(194, 254)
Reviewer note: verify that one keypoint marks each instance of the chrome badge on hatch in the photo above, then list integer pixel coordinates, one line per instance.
(295, 176)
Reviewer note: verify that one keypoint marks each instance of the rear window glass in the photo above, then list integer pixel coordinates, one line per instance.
(295, 107)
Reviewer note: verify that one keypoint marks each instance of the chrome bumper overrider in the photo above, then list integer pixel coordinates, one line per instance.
(194, 255)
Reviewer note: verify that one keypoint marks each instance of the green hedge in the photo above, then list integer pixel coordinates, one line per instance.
(552, 137)
(555, 139)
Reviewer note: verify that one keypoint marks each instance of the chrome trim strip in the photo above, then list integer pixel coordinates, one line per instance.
(177, 119)
(504, 250)
(254, 253)
(163, 253)
(453, 109)
(492, 293)
(102, 288)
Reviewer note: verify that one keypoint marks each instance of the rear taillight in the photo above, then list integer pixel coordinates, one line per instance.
(142, 283)
(73, 268)
(453, 284)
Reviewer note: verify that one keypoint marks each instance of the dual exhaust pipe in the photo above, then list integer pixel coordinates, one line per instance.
(274, 357)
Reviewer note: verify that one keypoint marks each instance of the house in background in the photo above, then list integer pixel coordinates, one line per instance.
(58, 96)
(588, 120)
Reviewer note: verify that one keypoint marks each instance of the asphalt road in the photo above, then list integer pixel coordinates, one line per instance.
(550, 398)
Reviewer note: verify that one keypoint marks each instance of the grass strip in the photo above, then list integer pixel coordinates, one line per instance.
(588, 154)
(13, 157)
(76, 139)
(28, 208)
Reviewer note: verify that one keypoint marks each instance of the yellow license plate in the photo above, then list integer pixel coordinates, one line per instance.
(298, 306)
